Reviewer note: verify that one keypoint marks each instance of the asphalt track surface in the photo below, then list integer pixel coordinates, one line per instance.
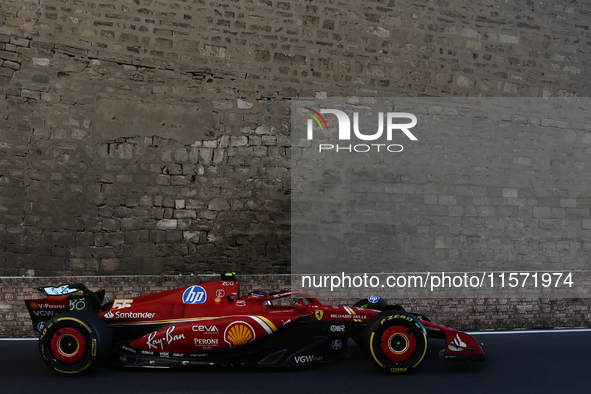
(541, 362)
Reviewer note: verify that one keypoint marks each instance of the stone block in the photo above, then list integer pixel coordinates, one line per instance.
(542, 213)
(111, 225)
(6, 72)
(167, 224)
(109, 265)
(19, 41)
(162, 180)
(218, 204)
(238, 141)
(7, 55)
(182, 214)
(12, 65)
(179, 180)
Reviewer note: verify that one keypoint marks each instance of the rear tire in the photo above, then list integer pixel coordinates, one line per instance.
(75, 342)
(396, 341)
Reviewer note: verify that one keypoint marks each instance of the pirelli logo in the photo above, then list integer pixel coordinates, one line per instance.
(392, 317)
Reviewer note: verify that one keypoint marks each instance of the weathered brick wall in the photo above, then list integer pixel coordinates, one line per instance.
(152, 136)
(466, 314)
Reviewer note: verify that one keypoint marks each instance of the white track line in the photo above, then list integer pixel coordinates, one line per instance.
(557, 331)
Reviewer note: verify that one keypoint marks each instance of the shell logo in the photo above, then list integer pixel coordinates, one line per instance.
(239, 333)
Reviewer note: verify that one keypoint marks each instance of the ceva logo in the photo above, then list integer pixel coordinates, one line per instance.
(194, 295)
(344, 130)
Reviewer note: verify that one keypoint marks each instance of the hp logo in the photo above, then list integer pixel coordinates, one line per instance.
(336, 344)
(194, 295)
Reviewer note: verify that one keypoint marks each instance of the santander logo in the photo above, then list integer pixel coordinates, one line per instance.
(458, 344)
(129, 315)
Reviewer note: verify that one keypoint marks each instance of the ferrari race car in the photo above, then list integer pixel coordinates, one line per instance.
(211, 324)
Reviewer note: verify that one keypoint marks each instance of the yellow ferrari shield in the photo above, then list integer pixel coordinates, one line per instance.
(318, 315)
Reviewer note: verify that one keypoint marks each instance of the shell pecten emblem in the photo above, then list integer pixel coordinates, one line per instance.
(239, 333)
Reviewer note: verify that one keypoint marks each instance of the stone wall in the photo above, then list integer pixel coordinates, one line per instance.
(121, 164)
(152, 136)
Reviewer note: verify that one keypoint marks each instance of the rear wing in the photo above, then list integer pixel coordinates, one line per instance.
(63, 298)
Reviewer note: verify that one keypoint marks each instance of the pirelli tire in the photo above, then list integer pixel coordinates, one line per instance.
(396, 341)
(375, 303)
(75, 342)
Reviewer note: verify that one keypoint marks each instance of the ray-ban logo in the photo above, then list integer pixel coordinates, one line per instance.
(394, 122)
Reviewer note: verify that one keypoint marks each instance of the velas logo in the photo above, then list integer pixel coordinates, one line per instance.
(394, 123)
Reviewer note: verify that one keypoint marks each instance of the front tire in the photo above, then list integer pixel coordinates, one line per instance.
(396, 341)
(75, 342)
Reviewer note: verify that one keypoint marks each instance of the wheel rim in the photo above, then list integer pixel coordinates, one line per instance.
(398, 343)
(68, 345)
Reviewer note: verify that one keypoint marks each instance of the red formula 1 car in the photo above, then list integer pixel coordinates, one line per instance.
(210, 324)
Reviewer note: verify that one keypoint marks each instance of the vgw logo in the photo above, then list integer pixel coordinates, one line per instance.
(344, 133)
